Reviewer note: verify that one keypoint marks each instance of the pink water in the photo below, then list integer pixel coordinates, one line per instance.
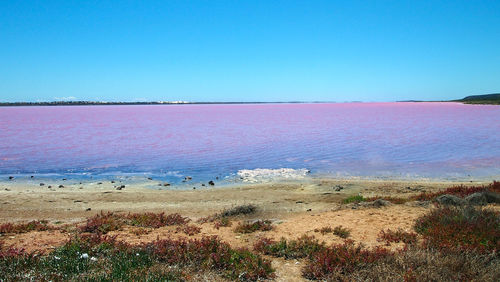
(358, 139)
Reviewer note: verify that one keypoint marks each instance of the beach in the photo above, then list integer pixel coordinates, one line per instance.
(295, 209)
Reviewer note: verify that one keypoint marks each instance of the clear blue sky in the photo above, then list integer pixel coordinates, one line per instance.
(248, 50)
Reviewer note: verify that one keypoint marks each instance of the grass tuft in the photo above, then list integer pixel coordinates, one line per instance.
(305, 246)
(354, 199)
(342, 232)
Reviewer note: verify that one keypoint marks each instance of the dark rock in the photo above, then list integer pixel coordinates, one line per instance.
(166, 184)
(11, 177)
(88, 209)
(211, 183)
(32, 176)
(194, 188)
(42, 184)
(309, 209)
(381, 203)
(50, 186)
(99, 183)
(187, 178)
(492, 197)
(61, 186)
(299, 202)
(120, 187)
(203, 184)
(477, 199)
(7, 189)
(64, 179)
(450, 200)
(112, 181)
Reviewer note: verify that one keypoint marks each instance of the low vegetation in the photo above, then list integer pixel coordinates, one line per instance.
(463, 228)
(303, 247)
(390, 236)
(343, 258)
(103, 223)
(342, 232)
(232, 212)
(16, 228)
(189, 229)
(250, 227)
(354, 199)
(324, 230)
(461, 191)
(98, 257)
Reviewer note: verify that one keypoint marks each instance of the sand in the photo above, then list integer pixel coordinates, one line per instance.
(295, 208)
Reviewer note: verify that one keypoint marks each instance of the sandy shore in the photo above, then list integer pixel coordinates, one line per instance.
(22, 201)
(294, 208)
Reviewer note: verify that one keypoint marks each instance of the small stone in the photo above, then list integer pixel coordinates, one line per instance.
(88, 209)
(61, 186)
(211, 183)
(381, 203)
(42, 184)
(11, 177)
(309, 210)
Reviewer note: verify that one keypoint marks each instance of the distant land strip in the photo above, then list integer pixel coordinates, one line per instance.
(486, 99)
(490, 99)
(97, 103)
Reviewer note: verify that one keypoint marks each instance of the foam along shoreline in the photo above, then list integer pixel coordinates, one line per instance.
(263, 175)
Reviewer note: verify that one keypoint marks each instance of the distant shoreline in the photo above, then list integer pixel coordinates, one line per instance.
(487, 99)
(92, 103)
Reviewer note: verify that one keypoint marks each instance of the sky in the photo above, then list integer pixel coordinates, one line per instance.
(248, 50)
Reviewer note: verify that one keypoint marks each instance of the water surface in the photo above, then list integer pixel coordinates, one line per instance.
(441, 140)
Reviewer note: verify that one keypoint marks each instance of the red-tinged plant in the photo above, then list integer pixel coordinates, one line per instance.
(223, 222)
(463, 228)
(103, 223)
(390, 236)
(342, 258)
(189, 229)
(250, 227)
(11, 252)
(459, 191)
(34, 225)
(211, 253)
